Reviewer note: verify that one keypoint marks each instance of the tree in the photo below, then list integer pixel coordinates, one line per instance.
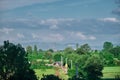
(57, 57)
(77, 45)
(35, 49)
(84, 49)
(14, 64)
(115, 51)
(93, 68)
(69, 50)
(29, 49)
(48, 55)
(51, 50)
(107, 46)
(108, 59)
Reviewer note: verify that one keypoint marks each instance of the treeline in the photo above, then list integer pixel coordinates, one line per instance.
(90, 63)
(16, 63)
(110, 54)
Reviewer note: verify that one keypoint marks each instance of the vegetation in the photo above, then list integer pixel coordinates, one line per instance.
(83, 63)
(14, 64)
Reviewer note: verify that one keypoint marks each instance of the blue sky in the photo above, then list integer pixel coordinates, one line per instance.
(57, 24)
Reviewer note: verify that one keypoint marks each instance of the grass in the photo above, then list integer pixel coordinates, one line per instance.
(108, 72)
(40, 72)
(111, 72)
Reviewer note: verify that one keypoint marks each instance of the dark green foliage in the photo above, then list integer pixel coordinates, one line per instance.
(35, 49)
(115, 51)
(51, 50)
(48, 55)
(57, 57)
(108, 59)
(107, 46)
(74, 77)
(69, 50)
(29, 49)
(84, 49)
(93, 68)
(77, 46)
(50, 77)
(14, 64)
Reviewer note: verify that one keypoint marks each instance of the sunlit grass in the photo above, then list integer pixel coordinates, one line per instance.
(111, 72)
(40, 72)
(108, 72)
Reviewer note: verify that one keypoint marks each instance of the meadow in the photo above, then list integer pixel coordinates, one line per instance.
(111, 72)
(108, 72)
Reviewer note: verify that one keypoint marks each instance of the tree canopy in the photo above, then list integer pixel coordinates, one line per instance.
(14, 64)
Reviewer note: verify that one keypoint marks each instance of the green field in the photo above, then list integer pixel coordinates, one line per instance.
(108, 72)
(40, 72)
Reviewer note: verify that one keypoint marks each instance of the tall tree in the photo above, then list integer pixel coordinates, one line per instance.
(115, 51)
(51, 50)
(14, 64)
(84, 49)
(77, 45)
(57, 57)
(35, 49)
(69, 50)
(93, 68)
(107, 46)
(29, 49)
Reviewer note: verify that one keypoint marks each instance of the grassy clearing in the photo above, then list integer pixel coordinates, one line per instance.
(110, 72)
(40, 72)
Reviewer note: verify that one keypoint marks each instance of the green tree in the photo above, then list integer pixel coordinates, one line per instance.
(108, 59)
(77, 46)
(14, 64)
(115, 51)
(51, 50)
(84, 49)
(68, 50)
(57, 57)
(35, 49)
(80, 61)
(48, 55)
(93, 68)
(107, 46)
(29, 49)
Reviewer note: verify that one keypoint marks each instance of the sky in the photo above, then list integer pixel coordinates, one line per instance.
(58, 24)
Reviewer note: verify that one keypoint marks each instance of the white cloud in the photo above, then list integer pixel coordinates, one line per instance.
(52, 21)
(110, 19)
(20, 35)
(48, 37)
(54, 27)
(53, 38)
(81, 35)
(35, 36)
(92, 37)
(6, 30)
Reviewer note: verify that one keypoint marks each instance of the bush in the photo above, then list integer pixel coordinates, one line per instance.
(50, 77)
